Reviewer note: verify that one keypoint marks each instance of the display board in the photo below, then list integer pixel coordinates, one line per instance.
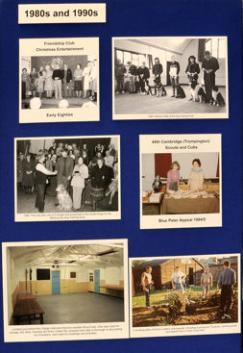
(121, 176)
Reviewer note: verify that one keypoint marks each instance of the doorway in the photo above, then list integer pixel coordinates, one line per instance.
(191, 276)
(97, 281)
(55, 279)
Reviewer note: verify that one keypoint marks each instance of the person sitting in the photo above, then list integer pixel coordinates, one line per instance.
(157, 184)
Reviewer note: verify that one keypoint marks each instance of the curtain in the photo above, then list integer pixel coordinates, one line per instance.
(217, 173)
(163, 163)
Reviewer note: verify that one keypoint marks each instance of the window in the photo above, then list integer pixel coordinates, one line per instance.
(216, 46)
(73, 275)
(135, 58)
(42, 274)
(91, 277)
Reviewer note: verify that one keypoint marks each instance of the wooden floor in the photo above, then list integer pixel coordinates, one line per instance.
(140, 104)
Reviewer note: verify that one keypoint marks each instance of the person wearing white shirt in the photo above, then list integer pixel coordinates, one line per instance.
(178, 280)
(80, 173)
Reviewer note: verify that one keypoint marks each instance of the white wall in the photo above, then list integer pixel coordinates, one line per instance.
(191, 49)
(209, 163)
(148, 171)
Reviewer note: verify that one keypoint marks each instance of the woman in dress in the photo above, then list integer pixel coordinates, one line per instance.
(78, 81)
(173, 177)
(196, 177)
(48, 83)
(80, 173)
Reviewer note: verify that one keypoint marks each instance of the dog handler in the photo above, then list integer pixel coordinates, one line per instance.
(40, 182)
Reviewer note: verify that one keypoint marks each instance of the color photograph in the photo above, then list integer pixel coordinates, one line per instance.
(76, 282)
(182, 291)
(180, 181)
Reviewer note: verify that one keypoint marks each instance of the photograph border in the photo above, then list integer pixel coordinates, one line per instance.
(167, 116)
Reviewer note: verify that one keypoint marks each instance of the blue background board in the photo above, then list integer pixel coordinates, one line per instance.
(129, 18)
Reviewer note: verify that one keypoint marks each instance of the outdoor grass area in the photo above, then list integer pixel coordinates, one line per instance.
(159, 297)
(171, 307)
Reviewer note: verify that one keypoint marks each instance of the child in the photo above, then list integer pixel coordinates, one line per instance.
(157, 184)
(173, 177)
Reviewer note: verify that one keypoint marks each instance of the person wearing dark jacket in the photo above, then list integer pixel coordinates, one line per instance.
(157, 72)
(209, 66)
(67, 81)
(41, 174)
(120, 71)
(226, 281)
(57, 77)
(101, 175)
(174, 75)
(143, 75)
(192, 69)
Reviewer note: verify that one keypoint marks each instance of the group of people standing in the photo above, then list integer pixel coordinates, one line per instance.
(138, 77)
(226, 281)
(71, 167)
(57, 81)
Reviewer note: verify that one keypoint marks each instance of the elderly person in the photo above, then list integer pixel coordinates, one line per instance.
(80, 173)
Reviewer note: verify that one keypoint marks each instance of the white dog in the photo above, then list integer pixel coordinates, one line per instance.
(64, 199)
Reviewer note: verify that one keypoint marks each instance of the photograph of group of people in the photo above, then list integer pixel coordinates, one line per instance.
(67, 175)
(180, 71)
(181, 183)
(58, 82)
(184, 290)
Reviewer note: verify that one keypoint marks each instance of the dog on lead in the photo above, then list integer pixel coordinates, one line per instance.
(160, 91)
(64, 199)
(197, 92)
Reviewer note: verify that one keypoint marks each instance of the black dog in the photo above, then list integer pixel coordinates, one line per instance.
(180, 92)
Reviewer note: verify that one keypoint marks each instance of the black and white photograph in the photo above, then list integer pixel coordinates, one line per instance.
(170, 77)
(79, 285)
(67, 178)
(180, 181)
(59, 79)
(185, 295)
